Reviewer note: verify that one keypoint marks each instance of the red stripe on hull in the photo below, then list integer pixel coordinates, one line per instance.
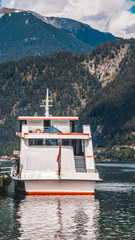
(60, 193)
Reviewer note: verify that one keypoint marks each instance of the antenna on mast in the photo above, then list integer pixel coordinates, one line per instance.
(46, 103)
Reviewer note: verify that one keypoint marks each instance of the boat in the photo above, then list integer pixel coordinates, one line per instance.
(54, 158)
(6, 164)
(5, 158)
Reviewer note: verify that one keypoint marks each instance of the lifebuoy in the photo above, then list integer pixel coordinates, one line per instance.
(38, 130)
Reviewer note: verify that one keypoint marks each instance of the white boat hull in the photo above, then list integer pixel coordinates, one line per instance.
(61, 187)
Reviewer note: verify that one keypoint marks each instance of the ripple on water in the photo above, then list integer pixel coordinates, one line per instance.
(115, 187)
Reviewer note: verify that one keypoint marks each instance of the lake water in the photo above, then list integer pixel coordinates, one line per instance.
(110, 214)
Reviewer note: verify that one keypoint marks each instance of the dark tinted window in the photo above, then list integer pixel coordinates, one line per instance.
(35, 142)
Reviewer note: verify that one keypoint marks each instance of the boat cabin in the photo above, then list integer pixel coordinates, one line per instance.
(45, 139)
(54, 158)
(51, 131)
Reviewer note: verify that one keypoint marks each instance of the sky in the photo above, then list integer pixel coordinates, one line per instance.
(114, 16)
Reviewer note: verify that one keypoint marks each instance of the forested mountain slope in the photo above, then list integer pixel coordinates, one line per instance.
(112, 110)
(76, 84)
(23, 85)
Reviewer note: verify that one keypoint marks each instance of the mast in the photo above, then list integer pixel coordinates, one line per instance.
(46, 103)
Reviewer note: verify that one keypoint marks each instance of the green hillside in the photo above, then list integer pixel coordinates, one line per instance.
(76, 89)
(112, 110)
(23, 85)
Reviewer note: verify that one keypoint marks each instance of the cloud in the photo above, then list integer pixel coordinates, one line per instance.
(130, 29)
(121, 24)
(99, 16)
(113, 16)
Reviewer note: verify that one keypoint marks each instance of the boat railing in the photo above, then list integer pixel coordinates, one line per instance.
(37, 129)
(8, 170)
(31, 130)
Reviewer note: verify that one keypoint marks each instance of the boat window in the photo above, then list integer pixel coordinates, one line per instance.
(65, 142)
(35, 142)
(51, 142)
(43, 142)
(46, 124)
(77, 144)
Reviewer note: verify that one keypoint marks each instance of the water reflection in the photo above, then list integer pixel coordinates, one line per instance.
(8, 214)
(58, 217)
(108, 215)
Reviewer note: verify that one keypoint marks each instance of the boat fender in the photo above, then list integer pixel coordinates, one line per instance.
(38, 130)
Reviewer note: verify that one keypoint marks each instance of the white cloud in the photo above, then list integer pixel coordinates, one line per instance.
(106, 15)
(121, 24)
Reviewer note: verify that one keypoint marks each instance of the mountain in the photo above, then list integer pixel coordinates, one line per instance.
(99, 87)
(112, 109)
(23, 34)
(26, 33)
(23, 85)
(81, 31)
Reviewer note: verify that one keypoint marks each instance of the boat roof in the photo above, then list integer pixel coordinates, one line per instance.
(47, 118)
